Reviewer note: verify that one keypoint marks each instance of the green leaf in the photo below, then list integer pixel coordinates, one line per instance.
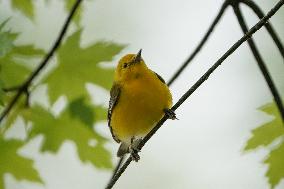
(77, 66)
(265, 135)
(26, 7)
(268, 132)
(6, 39)
(275, 162)
(82, 110)
(1, 97)
(1, 94)
(17, 109)
(11, 162)
(74, 124)
(13, 70)
(27, 51)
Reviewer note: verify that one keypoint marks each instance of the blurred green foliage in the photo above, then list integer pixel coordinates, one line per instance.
(264, 136)
(76, 66)
(26, 7)
(80, 68)
(70, 125)
(12, 162)
(1, 94)
(13, 68)
(6, 40)
(68, 6)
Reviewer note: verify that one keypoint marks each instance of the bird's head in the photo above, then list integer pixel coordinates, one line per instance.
(130, 67)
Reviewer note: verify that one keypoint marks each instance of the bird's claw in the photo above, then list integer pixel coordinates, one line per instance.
(134, 150)
(134, 155)
(170, 113)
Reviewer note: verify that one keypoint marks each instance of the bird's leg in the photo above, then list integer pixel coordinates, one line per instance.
(133, 148)
(170, 113)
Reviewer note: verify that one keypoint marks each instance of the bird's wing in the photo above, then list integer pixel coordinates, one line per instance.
(160, 78)
(114, 96)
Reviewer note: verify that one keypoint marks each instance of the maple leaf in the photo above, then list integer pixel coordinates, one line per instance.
(275, 162)
(263, 136)
(77, 66)
(13, 70)
(71, 126)
(11, 162)
(26, 7)
(267, 132)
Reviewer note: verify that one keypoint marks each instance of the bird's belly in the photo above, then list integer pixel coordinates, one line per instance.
(138, 110)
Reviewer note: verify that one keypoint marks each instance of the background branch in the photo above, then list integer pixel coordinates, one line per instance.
(201, 43)
(24, 87)
(198, 84)
(251, 4)
(260, 61)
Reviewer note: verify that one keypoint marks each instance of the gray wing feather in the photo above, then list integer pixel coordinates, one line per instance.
(114, 96)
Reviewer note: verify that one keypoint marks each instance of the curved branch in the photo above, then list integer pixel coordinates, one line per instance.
(260, 61)
(24, 87)
(198, 84)
(201, 43)
(251, 4)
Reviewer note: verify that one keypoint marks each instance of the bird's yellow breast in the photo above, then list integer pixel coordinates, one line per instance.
(140, 106)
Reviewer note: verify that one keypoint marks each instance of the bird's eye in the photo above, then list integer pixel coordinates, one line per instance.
(125, 65)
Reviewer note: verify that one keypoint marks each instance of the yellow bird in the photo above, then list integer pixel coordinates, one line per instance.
(139, 98)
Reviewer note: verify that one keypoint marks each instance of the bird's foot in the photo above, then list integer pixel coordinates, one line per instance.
(134, 154)
(134, 150)
(170, 113)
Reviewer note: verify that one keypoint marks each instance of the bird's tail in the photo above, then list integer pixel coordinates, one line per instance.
(122, 150)
(118, 165)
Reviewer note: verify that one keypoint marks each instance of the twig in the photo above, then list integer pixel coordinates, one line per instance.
(201, 43)
(198, 84)
(12, 89)
(251, 4)
(26, 84)
(260, 61)
(119, 163)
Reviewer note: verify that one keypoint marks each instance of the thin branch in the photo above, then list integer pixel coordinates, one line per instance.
(119, 163)
(251, 4)
(57, 43)
(198, 84)
(17, 88)
(201, 43)
(11, 89)
(260, 61)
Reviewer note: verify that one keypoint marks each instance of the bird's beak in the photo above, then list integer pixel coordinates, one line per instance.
(138, 57)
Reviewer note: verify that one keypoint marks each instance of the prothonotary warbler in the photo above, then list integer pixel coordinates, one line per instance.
(139, 98)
